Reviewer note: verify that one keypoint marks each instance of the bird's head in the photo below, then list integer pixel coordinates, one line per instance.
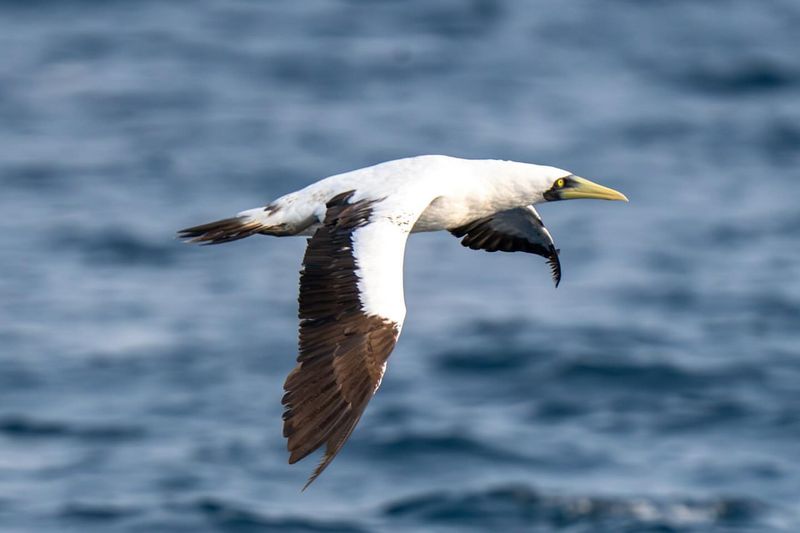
(573, 187)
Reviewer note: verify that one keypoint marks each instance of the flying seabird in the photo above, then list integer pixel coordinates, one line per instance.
(351, 284)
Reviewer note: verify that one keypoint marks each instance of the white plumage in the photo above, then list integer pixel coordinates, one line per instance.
(431, 192)
(351, 288)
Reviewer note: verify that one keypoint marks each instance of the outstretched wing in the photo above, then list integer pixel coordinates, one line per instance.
(515, 230)
(351, 313)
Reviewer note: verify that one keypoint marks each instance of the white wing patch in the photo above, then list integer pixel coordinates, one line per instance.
(379, 248)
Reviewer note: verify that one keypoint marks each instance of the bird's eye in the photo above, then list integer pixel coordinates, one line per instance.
(560, 183)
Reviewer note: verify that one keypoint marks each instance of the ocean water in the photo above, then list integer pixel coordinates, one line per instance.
(657, 389)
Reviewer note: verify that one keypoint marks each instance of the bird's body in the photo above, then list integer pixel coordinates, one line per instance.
(453, 192)
(351, 286)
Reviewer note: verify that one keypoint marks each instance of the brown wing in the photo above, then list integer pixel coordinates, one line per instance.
(343, 351)
(515, 230)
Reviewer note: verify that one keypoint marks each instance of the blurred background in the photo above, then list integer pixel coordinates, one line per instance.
(657, 389)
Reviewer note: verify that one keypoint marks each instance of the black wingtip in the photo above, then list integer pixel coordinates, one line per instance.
(555, 265)
(220, 231)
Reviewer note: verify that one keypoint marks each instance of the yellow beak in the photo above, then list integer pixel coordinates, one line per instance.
(583, 188)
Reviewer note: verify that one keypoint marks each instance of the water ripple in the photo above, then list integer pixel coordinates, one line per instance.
(21, 426)
(511, 507)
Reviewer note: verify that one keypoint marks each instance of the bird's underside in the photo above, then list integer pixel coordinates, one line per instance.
(351, 304)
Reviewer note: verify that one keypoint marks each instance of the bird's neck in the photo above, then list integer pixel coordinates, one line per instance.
(510, 184)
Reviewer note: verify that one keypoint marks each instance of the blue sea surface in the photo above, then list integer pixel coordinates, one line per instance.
(657, 389)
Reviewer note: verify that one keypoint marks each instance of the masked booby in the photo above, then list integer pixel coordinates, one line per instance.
(351, 284)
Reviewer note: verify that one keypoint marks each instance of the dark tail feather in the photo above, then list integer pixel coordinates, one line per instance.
(226, 230)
